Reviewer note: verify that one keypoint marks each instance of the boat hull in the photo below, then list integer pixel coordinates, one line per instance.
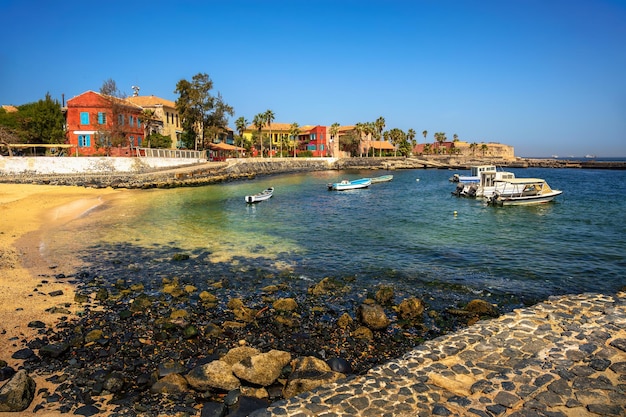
(350, 185)
(262, 196)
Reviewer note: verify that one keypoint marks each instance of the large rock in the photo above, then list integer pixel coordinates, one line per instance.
(17, 393)
(262, 369)
(411, 308)
(170, 384)
(373, 316)
(238, 354)
(308, 373)
(217, 374)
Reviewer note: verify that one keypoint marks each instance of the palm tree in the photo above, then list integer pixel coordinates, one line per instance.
(455, 138)
(473, 147)
(379, 125)
(294, 132)
(360, 128)
(241, 123)
(410, 135)
(259, 122)
(150, 122)
(334, 129)
(269, 118)
(425, 133)
(484, 148)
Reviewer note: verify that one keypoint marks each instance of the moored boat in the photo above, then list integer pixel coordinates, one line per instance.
(382, 178)
(522, 191)
(350, 185)
(262, 196)
(474, 175)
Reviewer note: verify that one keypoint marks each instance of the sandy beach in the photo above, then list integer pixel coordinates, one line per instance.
(26, 280)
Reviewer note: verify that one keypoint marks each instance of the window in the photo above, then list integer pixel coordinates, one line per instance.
(84, 141)
(138, 122)
(167, 117)
(177, 125)
(84, 118)
(120, 119)
(131, 120)
(102, 117)
(313, 136)
(138, 141)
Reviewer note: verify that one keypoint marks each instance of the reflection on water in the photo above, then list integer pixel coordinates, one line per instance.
(407, 231)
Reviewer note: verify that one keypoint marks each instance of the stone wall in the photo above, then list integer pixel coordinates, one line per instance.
(42, 165)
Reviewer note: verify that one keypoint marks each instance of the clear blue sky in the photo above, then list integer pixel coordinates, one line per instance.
(545, 76)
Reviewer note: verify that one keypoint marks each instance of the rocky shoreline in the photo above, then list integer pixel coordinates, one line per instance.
(165, 347)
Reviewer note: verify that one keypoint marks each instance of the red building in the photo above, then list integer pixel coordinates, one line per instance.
(315, 139)
(103, 125)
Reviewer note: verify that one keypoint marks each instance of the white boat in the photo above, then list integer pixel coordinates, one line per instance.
(350, 185)
(521, 191)
(382, 178)
(474, 176)
(485, 186)
(262, 196)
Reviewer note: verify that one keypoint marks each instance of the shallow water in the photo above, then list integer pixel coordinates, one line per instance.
(413, 234)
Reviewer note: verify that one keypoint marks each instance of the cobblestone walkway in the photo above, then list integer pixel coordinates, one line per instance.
(563, 357)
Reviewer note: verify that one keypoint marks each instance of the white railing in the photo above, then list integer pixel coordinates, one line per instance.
(170, 153)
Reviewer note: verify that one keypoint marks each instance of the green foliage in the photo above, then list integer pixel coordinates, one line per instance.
(157, 140)
(40, 122)
(305, 154)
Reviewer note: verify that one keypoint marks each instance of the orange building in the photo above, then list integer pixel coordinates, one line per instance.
(103, 125)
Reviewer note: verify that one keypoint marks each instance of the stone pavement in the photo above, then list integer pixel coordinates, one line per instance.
(563, 357)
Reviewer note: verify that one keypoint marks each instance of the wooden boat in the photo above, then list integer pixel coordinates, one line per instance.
(350, 185)
(262, 196)
(522, 191)
(382, 178)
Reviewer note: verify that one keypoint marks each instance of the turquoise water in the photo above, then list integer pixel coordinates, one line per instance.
(403, 232)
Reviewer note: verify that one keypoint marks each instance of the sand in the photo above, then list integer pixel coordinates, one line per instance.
(26, 279)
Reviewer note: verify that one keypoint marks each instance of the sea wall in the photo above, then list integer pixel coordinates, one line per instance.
(42, 165)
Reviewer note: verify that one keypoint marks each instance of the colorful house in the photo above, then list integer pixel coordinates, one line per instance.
(103, 125)
(168, 122)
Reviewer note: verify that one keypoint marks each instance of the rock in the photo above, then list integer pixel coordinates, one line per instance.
(216, 374)
(285, 304)
(17, 393)
(363, 332)
(170, 384)
(411, 308)
(308, 373)
(213, 409)
(340, 365)
(238, 354)
(325, 286)
(262, 369)
(373, 316)
(384, 295)
(344, 321)
(6, 372)
(246, 405)
(53, 350)
(170, 367)
(482, 308)
(25, 353)
(37, 324)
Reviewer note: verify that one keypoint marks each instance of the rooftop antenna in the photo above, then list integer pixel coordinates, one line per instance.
(136, 90)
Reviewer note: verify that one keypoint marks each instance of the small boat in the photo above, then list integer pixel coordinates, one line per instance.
(262, 196)
(350, 185)
(521, 191)
(382, 178)
(485, 187)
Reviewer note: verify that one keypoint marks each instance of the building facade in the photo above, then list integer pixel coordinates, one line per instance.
(103, 125)
(168, 122)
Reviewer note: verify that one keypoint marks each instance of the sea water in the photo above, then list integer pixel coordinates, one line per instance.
(411, 233)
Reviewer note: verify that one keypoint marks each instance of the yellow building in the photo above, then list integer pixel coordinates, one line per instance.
(169, 123)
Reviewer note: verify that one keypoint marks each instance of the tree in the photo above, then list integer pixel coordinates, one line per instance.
(334, 130)
(397, 137)
(109, 88)
(150, 124)
(294, 132)
(259, 122)
(200, 111)
(473, 147)
(42, 122)
(113, 135)
(360, 129)
(425, 133)
(379, 125)
(410, 135)
(7, 137)
(157, 140)
(455, 138)
(240, 124)
(269, 118)
(484, 148)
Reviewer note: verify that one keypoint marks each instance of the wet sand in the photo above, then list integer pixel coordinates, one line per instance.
(26, 279)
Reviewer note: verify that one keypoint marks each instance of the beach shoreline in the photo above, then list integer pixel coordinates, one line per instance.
(29, 285)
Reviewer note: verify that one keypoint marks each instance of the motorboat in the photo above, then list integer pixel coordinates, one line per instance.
(522, 191)
(382, 178)
(485, 186)
(262, 196)
(474, 176)
(350, 185)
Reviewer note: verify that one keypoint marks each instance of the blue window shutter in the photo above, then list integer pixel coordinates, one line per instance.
(101, 118)
(84, 118)
(88, 141)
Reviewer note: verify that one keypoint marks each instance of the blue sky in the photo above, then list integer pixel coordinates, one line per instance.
(545, 76)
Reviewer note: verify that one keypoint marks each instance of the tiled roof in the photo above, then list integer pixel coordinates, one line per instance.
(147, 101)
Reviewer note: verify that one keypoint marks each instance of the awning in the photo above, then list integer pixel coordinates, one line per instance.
(222, 146)
(381, 144)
